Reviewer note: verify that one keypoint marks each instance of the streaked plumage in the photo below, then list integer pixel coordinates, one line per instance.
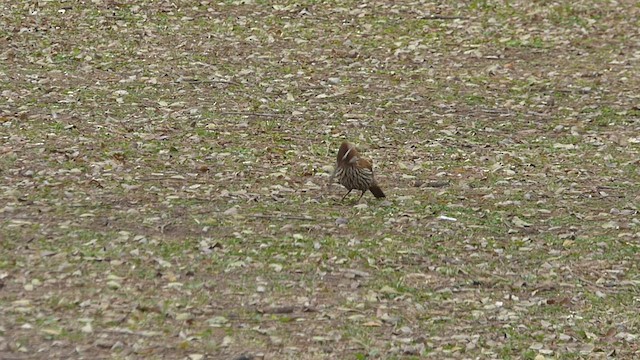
(355, 172)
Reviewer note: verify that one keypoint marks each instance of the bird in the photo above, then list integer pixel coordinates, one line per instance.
(355, 172)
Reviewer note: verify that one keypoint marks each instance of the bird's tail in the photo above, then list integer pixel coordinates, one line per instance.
(377, 192)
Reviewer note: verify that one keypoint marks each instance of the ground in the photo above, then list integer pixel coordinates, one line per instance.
(164, 180)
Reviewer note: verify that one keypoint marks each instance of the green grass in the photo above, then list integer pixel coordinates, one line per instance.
(439, 99)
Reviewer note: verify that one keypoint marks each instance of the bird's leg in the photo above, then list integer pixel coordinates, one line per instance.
(345, 195)
(361, 195)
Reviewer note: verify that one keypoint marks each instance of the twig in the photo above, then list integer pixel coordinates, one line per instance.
(277, 310)
(164, 225)
(251, 113)
(193, 81)
(442, 17)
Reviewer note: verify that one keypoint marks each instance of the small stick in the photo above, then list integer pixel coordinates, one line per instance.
(251, 113)
(442, 17)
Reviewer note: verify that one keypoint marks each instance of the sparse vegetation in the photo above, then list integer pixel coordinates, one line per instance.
(164, 167)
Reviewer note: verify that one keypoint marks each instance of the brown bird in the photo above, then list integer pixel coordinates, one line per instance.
(355, 172)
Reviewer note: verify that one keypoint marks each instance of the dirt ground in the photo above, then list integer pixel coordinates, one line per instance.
(165, 194)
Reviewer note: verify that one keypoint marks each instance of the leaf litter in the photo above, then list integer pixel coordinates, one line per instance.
(163, 180)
